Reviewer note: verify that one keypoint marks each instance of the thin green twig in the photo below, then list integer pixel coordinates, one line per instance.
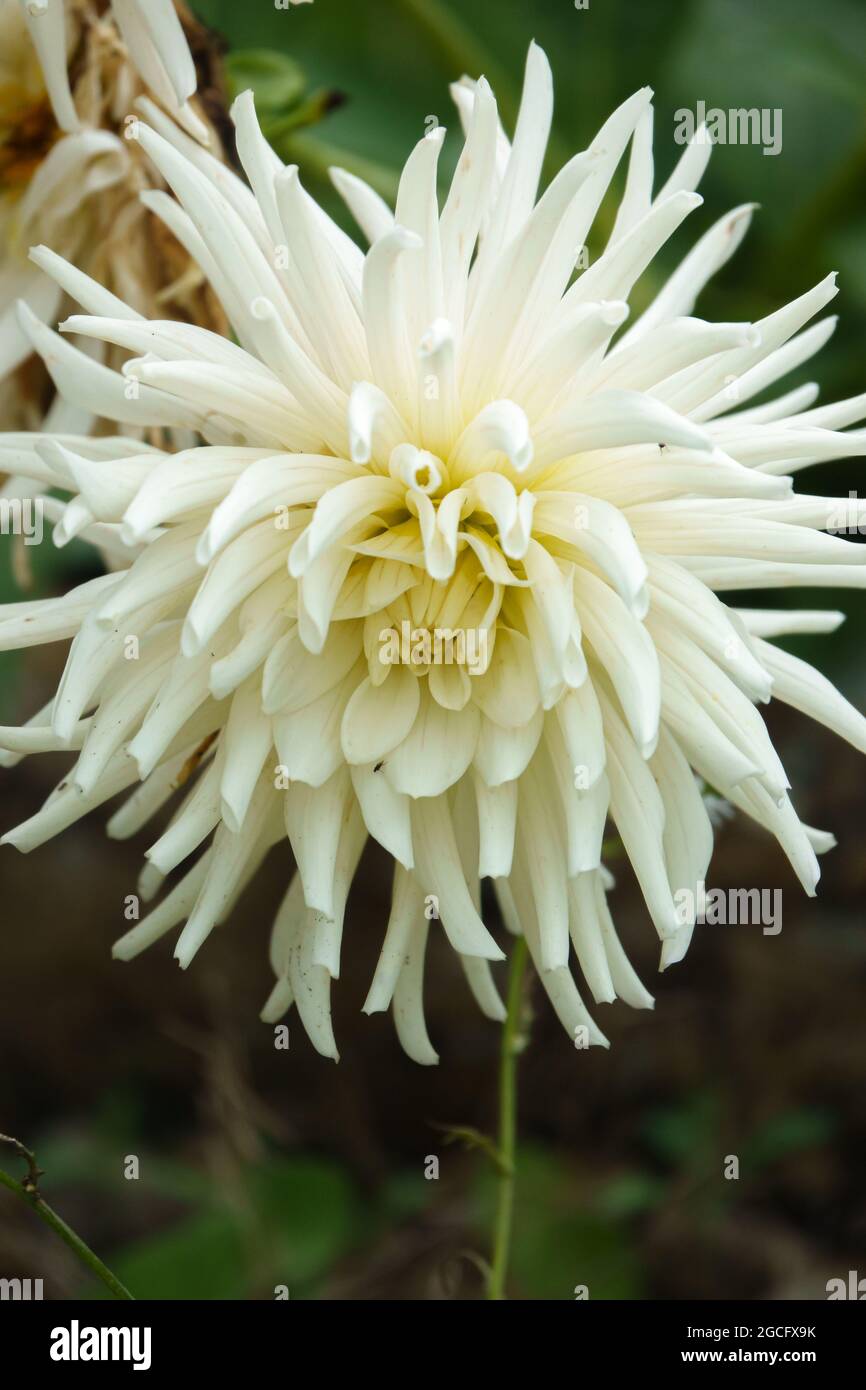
(28, 1192)
(512, 1043)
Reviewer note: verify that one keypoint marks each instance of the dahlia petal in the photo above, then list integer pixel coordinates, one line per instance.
(467, 204)
(418, 210)
(388, 341)
(610, 420)
(169, 913)
(437, 750)
(479, 977)
(311, 990)
(377, 719)
(94, 386)
(522, 173)
(107, 487)
(774, 330)
(798, 684)
(689, 168)
(123, 706)
(688, 833)
(34, 622)
(450, 686)
(586, 936)
(637, 809)
(314, 823)
(68, 804)
(387, 813)
(308, 744)
(148, 798)
(579, 716)
(565, 355)
(341, 508)
(666, 350)
(508, 691)
(407, 908)
(625, 981)
(708, 255)
(294, 677)
(558, 984)
(375, 427)
(369, 210)
(46, 22)
(153, 33)
(263, 620)
(342, 352)
(328, 930)
(497, 820)
(543, 854)
(629, 657)
(681, 600)
(778, 622)
(247, 741)
(710, 751)
(614, 275)
(782, 821)
(230, 243)
(778, 364)
(730, 572)
(230, 860)
(407, 1005)
(197, 817)
(502, 754)
(637, 195)
(512, 511)
(783, 408)
(439, 870)
(93, 297)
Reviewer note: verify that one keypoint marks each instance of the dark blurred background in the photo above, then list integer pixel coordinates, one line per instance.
(260, 1167)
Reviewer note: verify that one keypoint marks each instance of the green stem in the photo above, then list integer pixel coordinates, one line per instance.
(509, 1049)
(29, 1193)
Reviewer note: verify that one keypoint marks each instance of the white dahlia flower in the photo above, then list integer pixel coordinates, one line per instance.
(442, 563)
(72, 75)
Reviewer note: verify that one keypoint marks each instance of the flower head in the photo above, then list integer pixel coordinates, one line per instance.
(450, 438)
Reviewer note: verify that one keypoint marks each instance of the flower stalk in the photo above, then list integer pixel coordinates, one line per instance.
(28, 1192)
(511, 1046)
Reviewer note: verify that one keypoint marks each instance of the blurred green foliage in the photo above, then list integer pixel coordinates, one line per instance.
(287, 1224)
(242, 1231)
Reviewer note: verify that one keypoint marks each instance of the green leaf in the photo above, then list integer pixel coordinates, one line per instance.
(561, 1238)
(681, 1135)
(629, 1194)
(312, 1212)
(202, 1257)
(277, 81)
(789, 1133)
